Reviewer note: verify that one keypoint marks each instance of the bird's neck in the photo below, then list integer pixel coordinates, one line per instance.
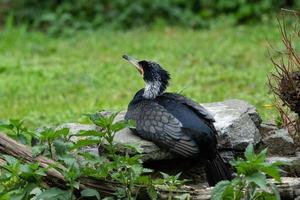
(153, 89)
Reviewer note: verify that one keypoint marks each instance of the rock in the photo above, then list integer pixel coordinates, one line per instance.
(279, 142)
(293, 167)
(236, 121)
(266, 128)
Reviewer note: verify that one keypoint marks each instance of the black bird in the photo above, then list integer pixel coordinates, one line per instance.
(174, 122)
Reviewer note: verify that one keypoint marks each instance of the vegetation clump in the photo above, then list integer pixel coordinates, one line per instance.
(123, 174)
(65, 16)
(285, 81)
(251, 180)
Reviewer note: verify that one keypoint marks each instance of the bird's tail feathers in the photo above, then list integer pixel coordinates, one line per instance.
(216, 170)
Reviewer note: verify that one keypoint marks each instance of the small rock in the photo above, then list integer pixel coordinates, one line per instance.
(280, 143)
(267, 128)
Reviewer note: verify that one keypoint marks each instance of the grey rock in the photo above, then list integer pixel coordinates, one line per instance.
(279, 142)
(266, 128)
(237, 123)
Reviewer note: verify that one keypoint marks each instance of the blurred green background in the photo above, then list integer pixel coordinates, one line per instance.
(62, 58)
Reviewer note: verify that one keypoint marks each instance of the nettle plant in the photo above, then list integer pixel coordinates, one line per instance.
(251, 180)
(19, 180)
(24, 181)
(15, 129)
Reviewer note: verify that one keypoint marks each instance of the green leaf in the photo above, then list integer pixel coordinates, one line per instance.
(10, 159)
(178, 175)
(137, 170)
(280, 163)
(275, 191)
(261, 157)
(144, 180)
(41, 172)
(219, 189)
(228, 194)
(37, 150)
(75, 185)
(54, 194)
(165, 176)
(73, 172)
(272, 171)
(62, 132)
(36, 191)
(131, 124)
(135, 147)
(23, 139)
(16, 122)
(90, 193)
(249, 152)
(90, 133)
(152, 193)
(84, 142)
(47, 134)
(60, 147)
(69, 160)
(19, 195)
(119, 126)
(6, 126)
(98, 119)
(264, 196)
(259, 179)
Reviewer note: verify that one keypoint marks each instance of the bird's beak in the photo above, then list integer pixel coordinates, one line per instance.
(135, 63)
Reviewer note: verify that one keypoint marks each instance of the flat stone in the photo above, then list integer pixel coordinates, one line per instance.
(237, 123)
(279, 142)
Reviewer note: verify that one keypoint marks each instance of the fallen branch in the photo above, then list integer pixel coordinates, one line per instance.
(54, 177)
(289, 188)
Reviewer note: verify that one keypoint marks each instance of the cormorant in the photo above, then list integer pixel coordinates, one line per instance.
(175, 122)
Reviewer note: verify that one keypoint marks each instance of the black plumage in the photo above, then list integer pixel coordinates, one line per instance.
(175, 122)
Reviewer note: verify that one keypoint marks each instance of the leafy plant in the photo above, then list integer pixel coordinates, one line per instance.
(18, 180)
(124, 169)
(56, 141)
(250, 182)
(171, 183)
(16, 130)
(57, 144)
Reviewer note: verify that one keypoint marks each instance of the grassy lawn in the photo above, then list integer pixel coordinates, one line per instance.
(51, 80)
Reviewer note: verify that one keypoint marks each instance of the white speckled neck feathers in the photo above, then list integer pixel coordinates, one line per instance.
(153, 89)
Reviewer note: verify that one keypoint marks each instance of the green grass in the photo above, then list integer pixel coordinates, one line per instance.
(52, 80)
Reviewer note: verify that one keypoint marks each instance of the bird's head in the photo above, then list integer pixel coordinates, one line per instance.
(155, 77)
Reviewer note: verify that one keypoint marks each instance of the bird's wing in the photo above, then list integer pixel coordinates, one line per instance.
(200, 110)
(155, 123)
